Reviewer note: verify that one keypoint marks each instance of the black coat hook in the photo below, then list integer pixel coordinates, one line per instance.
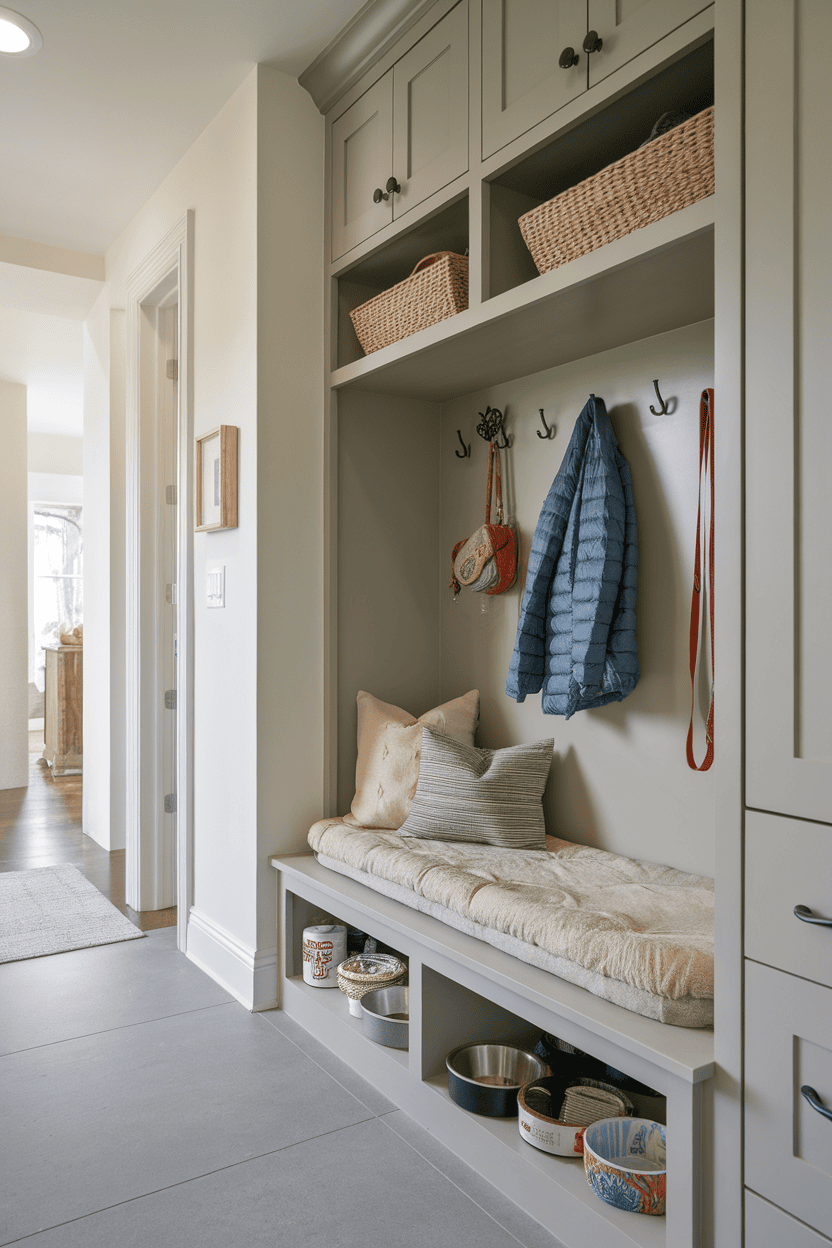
(550, 429)
(466, 450)
(663, 407)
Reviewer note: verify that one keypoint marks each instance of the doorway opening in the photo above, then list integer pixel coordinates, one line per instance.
(158, 725)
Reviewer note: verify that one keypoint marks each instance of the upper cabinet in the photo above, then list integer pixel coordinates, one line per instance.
(538, 55)
(403, 139)
(628, 27)
(522, 82)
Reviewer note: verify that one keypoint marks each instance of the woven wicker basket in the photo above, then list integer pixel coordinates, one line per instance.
(666, 174)
(436, 289)
(384, 971)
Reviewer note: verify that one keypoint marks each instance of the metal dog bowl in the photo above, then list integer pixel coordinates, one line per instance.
(385, 1016)
(485, 1078)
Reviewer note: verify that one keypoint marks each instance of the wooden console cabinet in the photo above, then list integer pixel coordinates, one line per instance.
(63, 725)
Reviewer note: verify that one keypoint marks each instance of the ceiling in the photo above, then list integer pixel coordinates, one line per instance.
(95, 121)
(92, 124)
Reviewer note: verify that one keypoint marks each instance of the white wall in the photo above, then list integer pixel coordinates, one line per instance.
(14, 718)
(257, 696)
(620, 780)
(55, 453)
(290, 506)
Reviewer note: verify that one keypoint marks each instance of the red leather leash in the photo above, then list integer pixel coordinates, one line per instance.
(706, 471)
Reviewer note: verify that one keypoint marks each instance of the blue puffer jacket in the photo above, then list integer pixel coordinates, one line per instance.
(576, 637)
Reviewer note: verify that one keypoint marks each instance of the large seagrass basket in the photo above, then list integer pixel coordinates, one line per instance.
(666, 174)
(436, 289)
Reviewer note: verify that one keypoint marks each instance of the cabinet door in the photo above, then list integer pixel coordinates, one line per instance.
(628, 27)
(522, 82)
(788, 429)
(361, 162)
(430, 112)
(788, 1143)
(768, 1227)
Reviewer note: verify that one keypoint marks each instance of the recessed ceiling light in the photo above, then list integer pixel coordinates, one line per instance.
(18, 36)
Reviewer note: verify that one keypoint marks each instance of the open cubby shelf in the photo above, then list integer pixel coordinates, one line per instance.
(652, 280)
(462, 990)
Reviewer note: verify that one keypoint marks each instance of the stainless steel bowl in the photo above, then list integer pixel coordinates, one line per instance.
(485, 1078)
(386, 1017)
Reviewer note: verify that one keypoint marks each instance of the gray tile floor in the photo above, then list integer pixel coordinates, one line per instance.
(141, 1105)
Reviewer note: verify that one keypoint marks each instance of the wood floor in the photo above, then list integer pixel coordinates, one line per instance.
(40, 826)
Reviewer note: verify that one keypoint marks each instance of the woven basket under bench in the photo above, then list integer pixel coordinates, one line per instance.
(436, 289)
(666, 174)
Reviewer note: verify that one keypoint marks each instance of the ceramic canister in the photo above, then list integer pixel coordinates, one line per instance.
(324, 947)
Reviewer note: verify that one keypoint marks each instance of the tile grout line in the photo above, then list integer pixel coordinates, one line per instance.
(329, 1073)
(461, 1190)
(105, 1031)
(196, 1178)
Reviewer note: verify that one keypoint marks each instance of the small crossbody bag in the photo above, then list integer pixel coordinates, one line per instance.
(487, 561)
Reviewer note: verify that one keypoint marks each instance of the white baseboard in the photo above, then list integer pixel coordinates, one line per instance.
(250, 975)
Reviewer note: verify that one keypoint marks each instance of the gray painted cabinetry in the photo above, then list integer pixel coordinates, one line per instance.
(493, 145)
(788, 837)
(411, 126)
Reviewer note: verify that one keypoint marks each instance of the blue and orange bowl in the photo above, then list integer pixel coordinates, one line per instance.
(625, 1160)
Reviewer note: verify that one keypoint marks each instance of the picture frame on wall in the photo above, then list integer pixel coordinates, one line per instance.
(216, 479)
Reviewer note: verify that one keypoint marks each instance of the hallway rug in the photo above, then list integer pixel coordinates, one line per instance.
(55, 909)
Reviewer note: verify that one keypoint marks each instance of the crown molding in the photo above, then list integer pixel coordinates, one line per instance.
(365, 39)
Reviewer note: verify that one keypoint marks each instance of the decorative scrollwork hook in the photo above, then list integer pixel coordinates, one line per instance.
(466, 450)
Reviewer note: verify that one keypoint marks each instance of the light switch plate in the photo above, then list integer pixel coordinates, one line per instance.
(215, 584)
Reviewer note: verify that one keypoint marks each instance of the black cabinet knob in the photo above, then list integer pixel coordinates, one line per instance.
(568, 58)
(379, 195)
(392, 186)
(592, 42)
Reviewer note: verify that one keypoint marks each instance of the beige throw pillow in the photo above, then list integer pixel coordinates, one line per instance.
(389, 748)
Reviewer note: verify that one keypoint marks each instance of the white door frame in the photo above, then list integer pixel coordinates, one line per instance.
(171, 258)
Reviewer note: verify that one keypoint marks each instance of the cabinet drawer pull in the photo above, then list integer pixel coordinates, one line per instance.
(810, 1095)
(568, 58)
(592, 42)
(808, 916)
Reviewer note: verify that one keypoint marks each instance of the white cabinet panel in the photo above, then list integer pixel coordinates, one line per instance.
(788, 1045)
(430, 112)
(522, 82)
(789, 434)
(361, 162)
(768, 1227)
(627, 27)
(788, 863)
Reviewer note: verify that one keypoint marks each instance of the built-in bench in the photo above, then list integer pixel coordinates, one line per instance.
(463, 990)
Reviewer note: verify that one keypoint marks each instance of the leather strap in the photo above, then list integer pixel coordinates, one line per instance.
(706, 473)
(494, 454)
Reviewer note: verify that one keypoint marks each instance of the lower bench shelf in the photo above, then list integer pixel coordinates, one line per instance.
(462, 990)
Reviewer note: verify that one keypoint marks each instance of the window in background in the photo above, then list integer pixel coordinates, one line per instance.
(58, 569)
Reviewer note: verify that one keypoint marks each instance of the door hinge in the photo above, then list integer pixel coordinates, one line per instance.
(170, 803)
(172, 370)
(170, 699)
(170, 495)
(170, 594)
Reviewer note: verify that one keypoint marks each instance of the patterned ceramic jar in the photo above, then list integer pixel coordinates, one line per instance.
(323, 948)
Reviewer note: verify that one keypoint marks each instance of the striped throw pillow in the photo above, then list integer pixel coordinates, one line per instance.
(483, 797)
